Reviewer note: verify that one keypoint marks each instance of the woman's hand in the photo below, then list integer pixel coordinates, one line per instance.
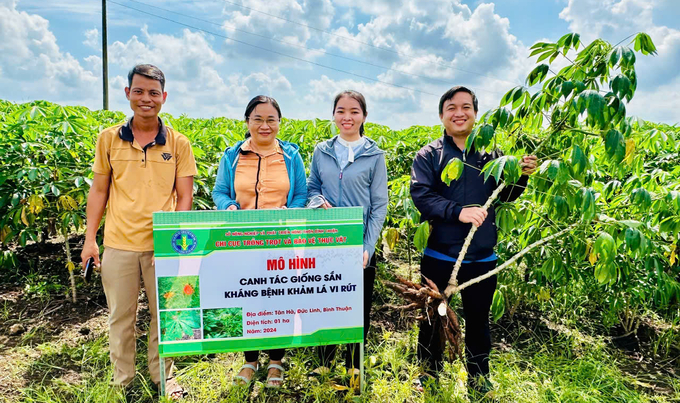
(232, 208)
(365, 258)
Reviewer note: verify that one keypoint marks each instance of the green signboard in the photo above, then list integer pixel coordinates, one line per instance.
(258, 279)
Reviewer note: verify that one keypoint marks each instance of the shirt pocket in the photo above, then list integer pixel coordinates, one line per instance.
(276, 171)
(247, 167)
(162, 167)
(123, 158)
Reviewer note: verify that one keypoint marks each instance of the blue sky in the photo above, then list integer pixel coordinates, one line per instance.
(402, 54)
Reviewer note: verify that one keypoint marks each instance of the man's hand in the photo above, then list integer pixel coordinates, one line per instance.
(473, 215)
(365, 258)
(90, 250)
(232, 208)
(528, 164)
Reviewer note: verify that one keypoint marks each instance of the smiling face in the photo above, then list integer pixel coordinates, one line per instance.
(146, 96)
(349, 117)
(263, 125)
(458, 115)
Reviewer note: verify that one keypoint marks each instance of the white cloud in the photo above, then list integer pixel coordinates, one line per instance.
(285, 21)
(614, 20)
(325, 89)
(92, 39)
(395, 107)
(432, 46)
(438, 43)
(181, 56)
(32, 64)
(660, 105)
(194, 80)
(94, 63)
(595, 19)
(72, 7)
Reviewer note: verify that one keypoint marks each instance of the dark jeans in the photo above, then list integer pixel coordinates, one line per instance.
(352, 356)
(275, 355)
(476, 304)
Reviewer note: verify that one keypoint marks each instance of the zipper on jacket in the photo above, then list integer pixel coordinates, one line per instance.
(339, 202)
(340, 188)
(257, 179)
(340, 191)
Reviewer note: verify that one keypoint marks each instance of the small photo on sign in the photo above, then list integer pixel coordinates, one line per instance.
(180, 325)
(179, 292)
(222, 323)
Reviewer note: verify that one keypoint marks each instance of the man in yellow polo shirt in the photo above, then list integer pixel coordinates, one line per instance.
(140, 167)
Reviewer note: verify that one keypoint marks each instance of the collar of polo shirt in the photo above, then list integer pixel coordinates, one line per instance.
(126, 132)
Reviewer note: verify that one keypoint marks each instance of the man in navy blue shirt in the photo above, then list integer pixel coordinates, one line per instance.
(452, 210)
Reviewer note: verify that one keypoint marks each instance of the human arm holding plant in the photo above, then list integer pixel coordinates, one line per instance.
(432, 205)
(96, 204)
(512, 193)
(528, 164)
(503, 193)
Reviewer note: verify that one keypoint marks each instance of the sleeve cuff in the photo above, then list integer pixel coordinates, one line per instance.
(456, 212)
(370, 249)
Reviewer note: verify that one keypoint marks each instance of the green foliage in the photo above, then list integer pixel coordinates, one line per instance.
(180, 325)
(422, 233)
(611, 173)
(506, 166)
(615, 174)
(498, 304)
(222, 323)
(452, 171)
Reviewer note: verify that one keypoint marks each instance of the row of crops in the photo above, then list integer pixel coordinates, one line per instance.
(615, 178)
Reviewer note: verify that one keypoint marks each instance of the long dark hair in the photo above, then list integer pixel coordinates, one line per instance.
(356, 96)
(260, 99)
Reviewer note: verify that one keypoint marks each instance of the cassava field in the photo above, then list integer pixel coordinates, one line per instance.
(591, 316)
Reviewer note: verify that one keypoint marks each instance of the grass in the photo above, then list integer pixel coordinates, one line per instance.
(533, 360)
(534, 372)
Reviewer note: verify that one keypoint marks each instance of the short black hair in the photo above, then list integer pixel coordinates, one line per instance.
(453, 91)
(148, 71)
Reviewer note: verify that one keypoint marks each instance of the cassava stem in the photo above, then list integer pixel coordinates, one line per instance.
(453, 281)
(513, 259)
(70, 271)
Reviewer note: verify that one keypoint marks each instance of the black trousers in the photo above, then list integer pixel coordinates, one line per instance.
(275, 355)
(352, 356)
(476, 304)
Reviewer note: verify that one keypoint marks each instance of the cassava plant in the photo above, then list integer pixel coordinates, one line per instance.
(592, 203)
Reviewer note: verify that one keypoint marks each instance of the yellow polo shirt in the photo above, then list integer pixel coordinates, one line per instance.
(142, 181)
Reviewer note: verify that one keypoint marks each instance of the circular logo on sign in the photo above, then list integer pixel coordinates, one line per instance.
(184, 242)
